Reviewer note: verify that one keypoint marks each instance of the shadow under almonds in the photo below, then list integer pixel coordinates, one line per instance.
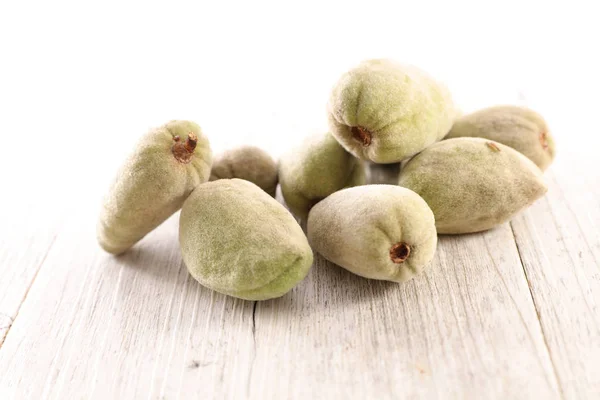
(327, 288)
(382, 174)
(157, 255)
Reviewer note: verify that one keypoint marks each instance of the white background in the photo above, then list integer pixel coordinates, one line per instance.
(80, 81)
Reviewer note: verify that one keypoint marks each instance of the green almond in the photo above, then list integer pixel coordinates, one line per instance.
(518, 127)
(249, 163)
(315, 169)
(385, 112)
(237, 240)
(165, 166)
(381, 232)
(473, 184)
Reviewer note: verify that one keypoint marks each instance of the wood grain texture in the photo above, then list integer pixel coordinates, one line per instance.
(26, 239)
(98, 326)
(137, 326)
(465, 329)
(559, 243)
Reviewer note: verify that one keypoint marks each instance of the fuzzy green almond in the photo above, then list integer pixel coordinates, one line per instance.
(165, 166)
(381, 232)
(385, 111)
(315, 169)
(249, 163)
(518, 127)
(237, 240)
(473, 184)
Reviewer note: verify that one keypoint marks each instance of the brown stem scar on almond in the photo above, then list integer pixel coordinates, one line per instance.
(183, 151)
(399, 252)
(190, 143)
(544, 140)
(362, 135)
(493, 146)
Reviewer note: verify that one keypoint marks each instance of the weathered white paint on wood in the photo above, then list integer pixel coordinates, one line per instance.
(26, 238)
(559, 243)
(465, 329)
(98, 326)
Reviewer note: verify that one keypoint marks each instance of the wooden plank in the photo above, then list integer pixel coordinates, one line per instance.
(26, 238)
(98, 326)
(465, 329)
(559, 243)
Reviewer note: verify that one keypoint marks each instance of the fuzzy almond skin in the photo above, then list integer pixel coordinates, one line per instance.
(314, 170)
(518, 127)
(357, 228)
(249, 163)
(151, 185)
(237, 240)
(384, 111)
(473, 184)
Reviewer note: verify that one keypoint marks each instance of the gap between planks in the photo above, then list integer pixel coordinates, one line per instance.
(37, 270)
(537, 313)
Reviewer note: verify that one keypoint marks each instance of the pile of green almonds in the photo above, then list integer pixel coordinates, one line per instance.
(452, 174)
